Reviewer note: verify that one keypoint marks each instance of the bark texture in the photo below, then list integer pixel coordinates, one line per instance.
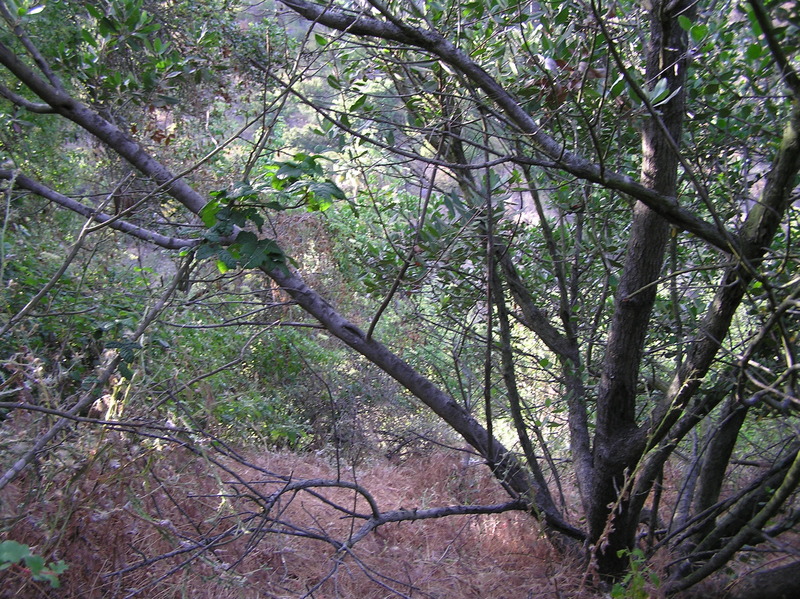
(777, 583)
(619, 441)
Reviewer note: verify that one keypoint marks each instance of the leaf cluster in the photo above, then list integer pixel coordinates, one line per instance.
(14, 554)
(283, 186)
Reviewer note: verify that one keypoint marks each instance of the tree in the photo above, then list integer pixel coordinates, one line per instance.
(660, 309)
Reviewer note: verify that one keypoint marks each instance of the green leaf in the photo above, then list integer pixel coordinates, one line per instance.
(206, 250)
(106, 27)
(125, 370)
(326, 190)
(358, 103)
(124, 348)
(333, 81)
(754, 22)
(258, 253)
(226, 260)
(87, 37)
(49, 577)
(247, 241)
(12, 552)
(257, 219)
(208, 213)
(684, 22)
(163, 100)
(698, 32)
(94, 11)
(617, 87)
(134, 18)
(754, 51)
(289, 170)
(320, 39)
(660, 91)
(35, 564)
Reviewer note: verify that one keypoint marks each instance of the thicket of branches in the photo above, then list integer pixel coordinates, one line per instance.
(566, 229)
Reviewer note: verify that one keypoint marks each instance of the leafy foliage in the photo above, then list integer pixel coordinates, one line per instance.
(13, 554)
(295, 181)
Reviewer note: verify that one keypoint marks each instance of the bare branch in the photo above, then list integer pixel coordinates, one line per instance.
(24, 102)
(410, 515)
(170, 243)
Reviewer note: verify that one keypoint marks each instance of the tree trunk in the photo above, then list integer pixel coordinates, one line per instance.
(619, 442)
(778, 583)
(715, 463)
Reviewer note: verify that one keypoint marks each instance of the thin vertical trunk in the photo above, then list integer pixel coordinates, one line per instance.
(619, 441)
(715, 461)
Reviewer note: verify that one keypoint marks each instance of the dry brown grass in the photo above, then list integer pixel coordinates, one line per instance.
(126, 502)
(136, 517)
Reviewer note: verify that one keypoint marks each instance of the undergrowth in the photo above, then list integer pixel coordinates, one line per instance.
(133, 518)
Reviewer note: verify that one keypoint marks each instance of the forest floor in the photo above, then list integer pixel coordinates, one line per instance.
(140, 518)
